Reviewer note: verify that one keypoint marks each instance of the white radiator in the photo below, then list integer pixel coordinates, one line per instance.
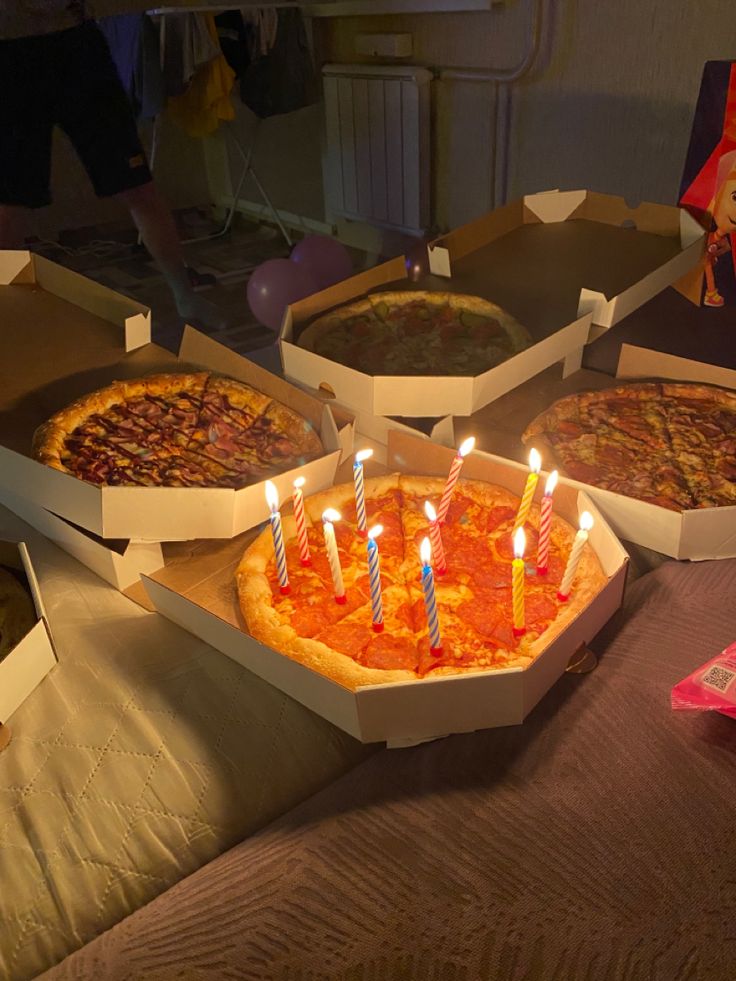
(377, 168)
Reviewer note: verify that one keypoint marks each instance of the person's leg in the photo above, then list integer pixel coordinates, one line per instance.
(94, 111)
(158, 231)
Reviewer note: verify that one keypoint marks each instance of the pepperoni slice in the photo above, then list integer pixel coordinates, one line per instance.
(539, 609)
(458, 506)
(390, 653)
(347, 638)
(498, 516)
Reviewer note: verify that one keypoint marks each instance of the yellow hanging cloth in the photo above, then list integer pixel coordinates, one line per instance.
(201, 109)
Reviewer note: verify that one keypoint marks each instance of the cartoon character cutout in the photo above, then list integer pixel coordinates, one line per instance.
(723, 209)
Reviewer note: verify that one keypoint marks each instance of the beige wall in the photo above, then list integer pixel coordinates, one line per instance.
(608, 106)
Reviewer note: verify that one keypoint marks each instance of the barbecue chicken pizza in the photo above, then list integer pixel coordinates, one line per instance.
(176, 430)
(473, 596)
(667, 443)
(417, 333)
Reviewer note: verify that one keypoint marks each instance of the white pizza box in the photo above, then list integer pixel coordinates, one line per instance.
(87, 336)
(199, 595)
(560, 262)
(703, 533)
(35, 655)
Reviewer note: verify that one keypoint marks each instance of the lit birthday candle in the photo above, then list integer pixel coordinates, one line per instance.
(374, 575)
(535, 463)
(517, 583)
(329, 517)
(586, 523)
(360, 491)
(272, 499)
(465, 447)
(301, 524)
(430, 601)
(438, 551)
(545, 524)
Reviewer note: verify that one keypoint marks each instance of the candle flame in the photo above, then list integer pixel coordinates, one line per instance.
(300, 481)
(430, 511)
(586, 521)
(330, 514)
(549, 487)
(466, 446)
(363, 455)
(272, 495)
(519, 543)
(535, 461)
(425, 551)
(375, 531)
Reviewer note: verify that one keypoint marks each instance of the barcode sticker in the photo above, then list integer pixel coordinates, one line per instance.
(719, 678)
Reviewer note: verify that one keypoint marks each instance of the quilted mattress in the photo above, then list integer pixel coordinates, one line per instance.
(143, 755)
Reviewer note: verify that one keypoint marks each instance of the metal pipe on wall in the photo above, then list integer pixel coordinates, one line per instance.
(502, 79)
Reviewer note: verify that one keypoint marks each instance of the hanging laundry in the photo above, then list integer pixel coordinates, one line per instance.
(188, 43)
(206, 103)
(134, 45)
(283, 78)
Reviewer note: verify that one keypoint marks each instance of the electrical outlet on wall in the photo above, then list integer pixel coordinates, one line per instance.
(384, 45)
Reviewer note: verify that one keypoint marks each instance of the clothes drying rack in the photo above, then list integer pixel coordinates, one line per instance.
(246, 154)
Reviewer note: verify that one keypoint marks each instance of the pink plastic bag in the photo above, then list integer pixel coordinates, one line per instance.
(712, 687)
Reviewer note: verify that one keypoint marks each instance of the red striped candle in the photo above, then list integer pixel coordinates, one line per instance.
(301, 524)
(463, 450)
(545, 524)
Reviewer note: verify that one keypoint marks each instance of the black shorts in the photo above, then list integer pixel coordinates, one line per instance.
(65, 79)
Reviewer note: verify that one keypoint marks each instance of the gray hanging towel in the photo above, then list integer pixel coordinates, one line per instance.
(284, 79)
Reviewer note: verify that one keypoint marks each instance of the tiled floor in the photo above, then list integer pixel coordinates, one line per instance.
(109, 254)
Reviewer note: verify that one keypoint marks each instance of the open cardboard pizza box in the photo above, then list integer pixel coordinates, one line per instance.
(28, 663)
(704, 533)
(559, 262)
(198, 592)
(63, 336)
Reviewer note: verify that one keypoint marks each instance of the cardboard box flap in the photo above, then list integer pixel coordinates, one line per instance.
(640, 362)
(478, 233)
(550, 206)
(133, 317)
(343, 292)
(659, 219)
(15, 267)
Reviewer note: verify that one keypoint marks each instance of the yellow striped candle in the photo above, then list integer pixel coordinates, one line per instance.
(535, 463)
(586, 523)
(517, 583)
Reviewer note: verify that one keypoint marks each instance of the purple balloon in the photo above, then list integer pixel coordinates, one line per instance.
(273, 286)
(326, 259)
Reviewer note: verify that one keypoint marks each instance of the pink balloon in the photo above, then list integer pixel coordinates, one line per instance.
(273, 286)
(326, 259)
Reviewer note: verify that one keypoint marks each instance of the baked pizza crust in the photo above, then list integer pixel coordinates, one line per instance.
(263, 622)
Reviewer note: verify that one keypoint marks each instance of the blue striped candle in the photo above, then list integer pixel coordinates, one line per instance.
(430, 601)
(360, 491)
(272, 498)
(374, 575)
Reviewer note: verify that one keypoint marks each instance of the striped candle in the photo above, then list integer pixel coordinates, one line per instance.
(435, 536)
(517, 583)
(272, 499)
(430, 601)
(328, 518)
(465, 447)
(535, 462)
(301, 524)
(374, 575)
(360, 491)
(545, 525)
(586, 523)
